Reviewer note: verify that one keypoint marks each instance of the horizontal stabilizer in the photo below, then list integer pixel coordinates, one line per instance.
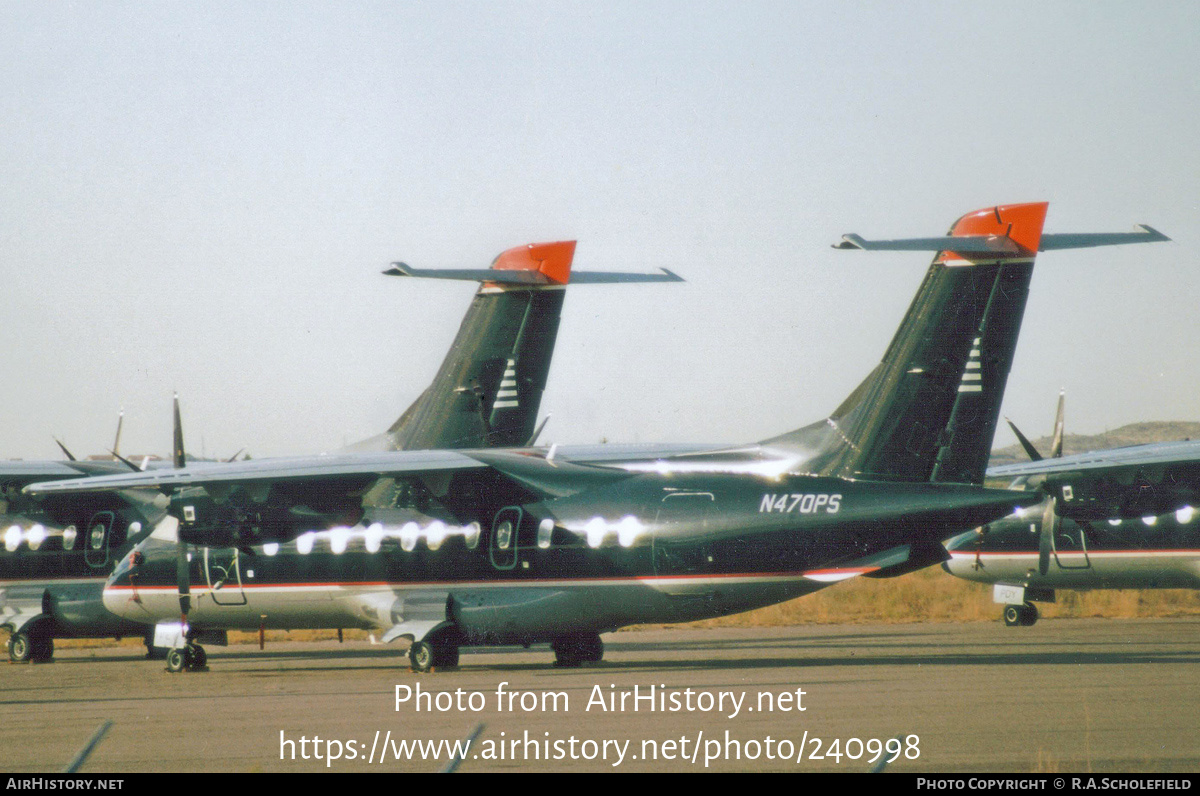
(528, 277)
(1086, 240)
(1001, 244)
(981, 244)
(611, 277)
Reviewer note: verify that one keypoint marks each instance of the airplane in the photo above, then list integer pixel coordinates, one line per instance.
(522, 546)
(1123, 518)
(51, 576)
(487, 392)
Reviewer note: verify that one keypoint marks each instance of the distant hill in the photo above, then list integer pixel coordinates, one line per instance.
(1132, 434)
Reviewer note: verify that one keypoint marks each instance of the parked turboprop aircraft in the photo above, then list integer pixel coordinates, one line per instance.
(452, 548)
(487, 392)
(1123, 518)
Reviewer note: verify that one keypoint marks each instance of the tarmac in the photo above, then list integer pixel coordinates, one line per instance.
(1090, 695)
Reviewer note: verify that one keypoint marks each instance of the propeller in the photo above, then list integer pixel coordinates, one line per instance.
(125, 461)
(182, 576)
(1056, 447)
(70, 456)
(1050, 513)
(117, 439)
(1046, 538)
(537, 432)
(1030, 450)
(114, 450)
(1056, 444)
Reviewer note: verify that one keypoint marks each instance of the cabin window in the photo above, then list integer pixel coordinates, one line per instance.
(504, 535)
(545, 531)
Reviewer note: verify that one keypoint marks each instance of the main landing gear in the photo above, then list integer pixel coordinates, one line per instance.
(573, 651)
(1020, 615)
(30, 647)
(188, 658)
(437, 652)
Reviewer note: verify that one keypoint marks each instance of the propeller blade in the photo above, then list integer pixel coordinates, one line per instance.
(125, 461)
(117, 440)
(182, 575)
(1046, 538)
(178, 455)
(233, 458)
(183, 579)
(1030, 451)
(64, 449)
(1057, 447)
(537, 432)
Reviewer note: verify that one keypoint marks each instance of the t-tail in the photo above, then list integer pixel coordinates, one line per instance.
(928, 411)
(489, 388)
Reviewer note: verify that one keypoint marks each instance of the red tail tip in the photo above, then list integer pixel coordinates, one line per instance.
(1021, 223)
(553, 260)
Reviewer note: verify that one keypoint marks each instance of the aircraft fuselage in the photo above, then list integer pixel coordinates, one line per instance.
(645, 548)
(1151, 552)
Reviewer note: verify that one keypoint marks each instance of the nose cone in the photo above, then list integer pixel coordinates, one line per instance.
(959, 566)
(120, 597)
(962, 553)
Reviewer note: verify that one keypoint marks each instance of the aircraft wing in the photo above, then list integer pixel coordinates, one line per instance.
(305, 468)
(17, 472)
(1138, 481)
(1157, 453)
(17, 469)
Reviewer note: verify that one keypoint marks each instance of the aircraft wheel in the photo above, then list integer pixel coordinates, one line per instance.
(593, 649)
(197, 657)
(20, 648)
(1013, 614)
(43, 648)
(1029, 614)
(176, 660)
(421, 656)
(568, 652)
(445, 656)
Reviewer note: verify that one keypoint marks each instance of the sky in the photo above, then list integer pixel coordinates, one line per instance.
(200, 197)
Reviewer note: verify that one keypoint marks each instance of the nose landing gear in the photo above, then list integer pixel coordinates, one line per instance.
(1020, 615)
(190, 658)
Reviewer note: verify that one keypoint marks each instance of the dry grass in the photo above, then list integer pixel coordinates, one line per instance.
(933, 596)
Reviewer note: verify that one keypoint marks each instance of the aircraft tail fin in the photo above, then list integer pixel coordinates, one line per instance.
(489, 388)
(929, 410)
